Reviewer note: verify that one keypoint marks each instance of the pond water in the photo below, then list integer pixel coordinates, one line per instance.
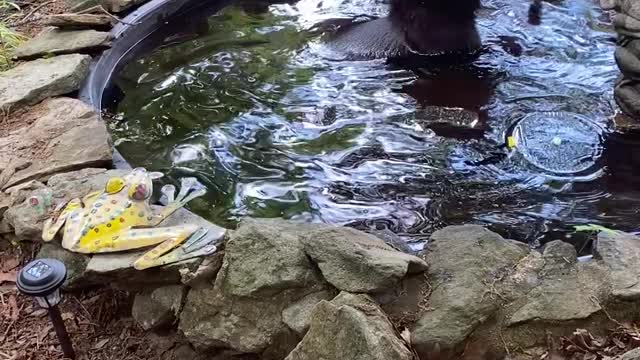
(275, 124)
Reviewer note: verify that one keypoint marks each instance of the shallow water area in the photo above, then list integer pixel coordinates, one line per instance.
(275, 124)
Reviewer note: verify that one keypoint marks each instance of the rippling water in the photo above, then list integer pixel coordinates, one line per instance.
(276, 125)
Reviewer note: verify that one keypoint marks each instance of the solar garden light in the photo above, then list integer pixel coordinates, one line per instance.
(42, 279)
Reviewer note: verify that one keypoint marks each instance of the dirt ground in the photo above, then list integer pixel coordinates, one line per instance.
(98, 321)
(28, 21)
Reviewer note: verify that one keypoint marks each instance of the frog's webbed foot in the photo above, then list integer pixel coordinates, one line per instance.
(202, 242)
(189, 190)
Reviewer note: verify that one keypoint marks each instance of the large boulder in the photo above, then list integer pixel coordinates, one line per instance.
(358, 262)
(57, 41)
(350, 327)
(265, 270)
(64, 134)
(34, 81)
(467, 266)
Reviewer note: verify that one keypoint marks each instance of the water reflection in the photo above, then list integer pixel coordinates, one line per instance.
(275, 125)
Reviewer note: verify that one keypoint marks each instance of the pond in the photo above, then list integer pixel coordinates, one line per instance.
(274, 123)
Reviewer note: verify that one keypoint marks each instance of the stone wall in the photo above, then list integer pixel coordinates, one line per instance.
(626, 21)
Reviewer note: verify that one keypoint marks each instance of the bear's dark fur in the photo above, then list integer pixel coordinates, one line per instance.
(426, 27)
(437, 26)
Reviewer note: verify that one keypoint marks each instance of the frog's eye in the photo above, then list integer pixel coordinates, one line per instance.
(114, 185)
(139, 192)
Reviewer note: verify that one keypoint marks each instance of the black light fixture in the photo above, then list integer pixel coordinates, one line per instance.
(42, 279)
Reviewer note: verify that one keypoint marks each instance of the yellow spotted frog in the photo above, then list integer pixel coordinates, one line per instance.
(121, 218)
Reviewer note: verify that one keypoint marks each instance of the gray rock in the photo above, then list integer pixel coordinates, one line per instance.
(620, 253)
(5, 203)
(559, 257)
(26, 218)
(298, 315)
(272, 259)
(158, 308)
(265, 271)
(79, 21)
(67, 135)
(34, 81)
(75, 263)
(468, 265)
(117, 6)
(568, 295)
(350, 327)
(205, 274)
(355, 261)
(629, 355)
(57, 42)
(116, 270)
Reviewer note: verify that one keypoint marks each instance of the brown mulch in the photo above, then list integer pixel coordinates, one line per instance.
(98, 321)
(29, 21)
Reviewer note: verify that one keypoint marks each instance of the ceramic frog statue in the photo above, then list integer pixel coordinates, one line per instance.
(121, 218)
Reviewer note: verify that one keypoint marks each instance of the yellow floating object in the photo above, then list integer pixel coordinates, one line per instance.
(511, 142)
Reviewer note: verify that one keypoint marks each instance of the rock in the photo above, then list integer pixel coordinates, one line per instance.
(273, 260)
(264, 272)
(350, 327)
(620, 253)
(117, 6)
(298, 315)
(79, 21)
(75, 263)
(205, 274)
(158, 308)
(116, 270)
(5, 202)
(468, 265)
(627, 95)
(355, 261)
(57, 42)
(26, 220)
(559, 258)
(34, 81)
(67, 135)
(564, 296)
(629, 355)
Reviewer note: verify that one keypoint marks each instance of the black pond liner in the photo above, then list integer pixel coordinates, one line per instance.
(141, 31)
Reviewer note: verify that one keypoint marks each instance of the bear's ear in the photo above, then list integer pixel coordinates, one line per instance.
(155, 175)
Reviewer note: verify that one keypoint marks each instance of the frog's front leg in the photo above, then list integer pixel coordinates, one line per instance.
(60, 215)
(184, 196)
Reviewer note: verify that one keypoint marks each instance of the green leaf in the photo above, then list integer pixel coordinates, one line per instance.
(594, 228)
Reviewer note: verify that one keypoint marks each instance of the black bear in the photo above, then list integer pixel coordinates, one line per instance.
(427, 27)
